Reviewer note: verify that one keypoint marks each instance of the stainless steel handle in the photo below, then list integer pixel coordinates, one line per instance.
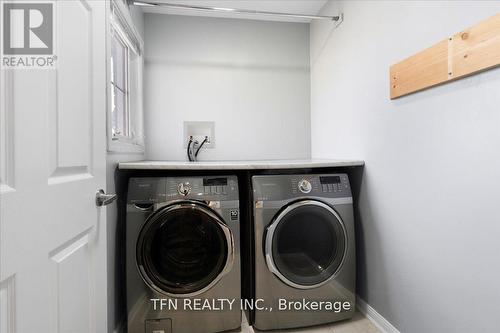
(103, 199)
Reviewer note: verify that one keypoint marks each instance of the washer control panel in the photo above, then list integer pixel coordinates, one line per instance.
(215, 185)
(161, 189)
(206, 188)
(334, 183)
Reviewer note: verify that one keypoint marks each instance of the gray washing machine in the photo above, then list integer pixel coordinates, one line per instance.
(182, 243)
(304, 250)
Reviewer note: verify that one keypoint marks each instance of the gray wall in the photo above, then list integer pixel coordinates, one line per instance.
(429, 254)
(250, 77)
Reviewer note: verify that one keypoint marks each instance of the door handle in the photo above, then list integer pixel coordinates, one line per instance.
(103, 199)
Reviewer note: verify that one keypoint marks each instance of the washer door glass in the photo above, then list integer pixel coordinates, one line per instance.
(183, 249)
(306, 244)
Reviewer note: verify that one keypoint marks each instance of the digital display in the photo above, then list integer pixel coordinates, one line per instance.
(330, 180)
(214, 181)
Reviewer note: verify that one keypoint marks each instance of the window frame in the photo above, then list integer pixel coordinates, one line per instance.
(121, 26)
(116, 34)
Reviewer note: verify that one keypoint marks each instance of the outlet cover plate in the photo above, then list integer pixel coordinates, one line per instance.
(199, 130)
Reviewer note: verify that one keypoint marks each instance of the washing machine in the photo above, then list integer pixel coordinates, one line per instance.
(305, 266)
(183, 255)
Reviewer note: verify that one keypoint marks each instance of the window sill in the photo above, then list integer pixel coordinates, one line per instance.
(124, 147)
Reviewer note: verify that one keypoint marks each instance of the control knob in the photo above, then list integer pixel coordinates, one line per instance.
(305, 186)
(184, 188)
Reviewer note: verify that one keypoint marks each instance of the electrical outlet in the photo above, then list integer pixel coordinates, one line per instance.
(199, 130)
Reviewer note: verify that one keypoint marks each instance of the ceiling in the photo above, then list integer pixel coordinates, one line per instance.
(311, 7)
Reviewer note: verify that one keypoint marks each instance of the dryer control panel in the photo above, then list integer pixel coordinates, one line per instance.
(283, 187)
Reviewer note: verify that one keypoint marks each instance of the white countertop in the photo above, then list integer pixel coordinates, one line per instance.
(238, 165)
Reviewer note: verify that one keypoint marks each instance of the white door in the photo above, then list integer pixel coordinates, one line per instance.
(53, 146)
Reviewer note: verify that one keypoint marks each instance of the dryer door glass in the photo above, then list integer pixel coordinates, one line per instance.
(183, 249)
(307, 243)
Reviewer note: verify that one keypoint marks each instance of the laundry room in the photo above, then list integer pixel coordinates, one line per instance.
(203, 166)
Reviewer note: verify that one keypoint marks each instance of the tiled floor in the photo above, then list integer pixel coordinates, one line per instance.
(358, 324)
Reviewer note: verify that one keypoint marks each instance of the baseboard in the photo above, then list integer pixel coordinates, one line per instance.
(382, 324)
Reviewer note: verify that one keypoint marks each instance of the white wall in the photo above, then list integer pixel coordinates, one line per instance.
(250, 77)
(429, 249)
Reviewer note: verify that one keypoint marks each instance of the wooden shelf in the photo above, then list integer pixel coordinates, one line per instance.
(468, 52)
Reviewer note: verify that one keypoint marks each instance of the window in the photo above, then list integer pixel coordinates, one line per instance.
(120, 111)
(125, 133)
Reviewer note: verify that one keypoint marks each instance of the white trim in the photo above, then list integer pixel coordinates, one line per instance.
(120, 14)
(7, 113)
(376, 318)
(118, 18)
